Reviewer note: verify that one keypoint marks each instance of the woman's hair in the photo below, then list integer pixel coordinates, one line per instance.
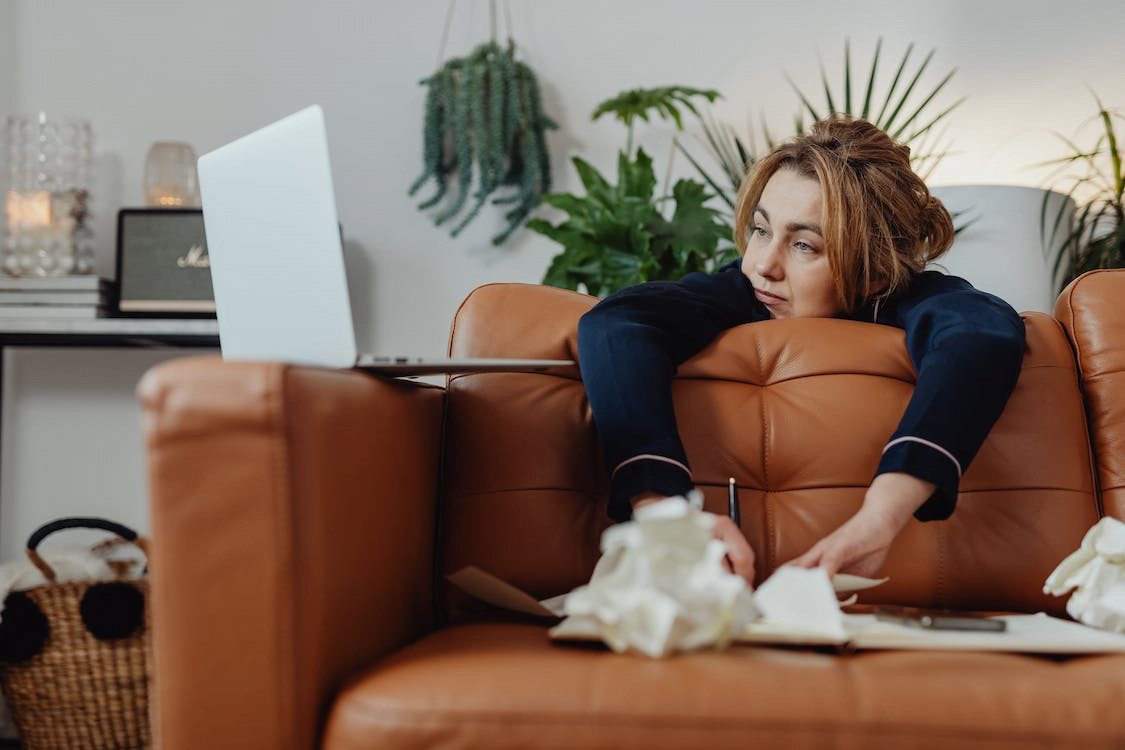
(881, 224)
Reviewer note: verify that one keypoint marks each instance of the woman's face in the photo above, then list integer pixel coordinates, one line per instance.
(785, 257)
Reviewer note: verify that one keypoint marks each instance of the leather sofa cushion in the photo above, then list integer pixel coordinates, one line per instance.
(507, 686)
(798, 411)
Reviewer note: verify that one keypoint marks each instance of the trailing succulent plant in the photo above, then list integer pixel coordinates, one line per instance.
(484, 117)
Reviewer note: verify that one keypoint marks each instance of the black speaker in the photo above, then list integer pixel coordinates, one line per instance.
(163, 269)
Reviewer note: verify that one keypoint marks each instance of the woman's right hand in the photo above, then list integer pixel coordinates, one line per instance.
(740, 555)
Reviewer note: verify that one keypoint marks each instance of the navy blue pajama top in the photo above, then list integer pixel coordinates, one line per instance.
(966, 345)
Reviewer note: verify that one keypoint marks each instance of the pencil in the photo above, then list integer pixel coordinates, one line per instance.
(732, 497)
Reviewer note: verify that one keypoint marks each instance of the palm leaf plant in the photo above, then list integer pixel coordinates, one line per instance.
(1094, 179)
(623, 233)
(905, 109)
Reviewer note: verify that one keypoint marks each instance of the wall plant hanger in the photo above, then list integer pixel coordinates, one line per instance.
(484, 125)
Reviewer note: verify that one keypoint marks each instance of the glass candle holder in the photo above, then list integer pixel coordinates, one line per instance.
(48, 164)
(171, 179)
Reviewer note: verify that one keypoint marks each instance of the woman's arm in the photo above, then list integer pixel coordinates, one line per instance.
(967, 348)
(629, 346)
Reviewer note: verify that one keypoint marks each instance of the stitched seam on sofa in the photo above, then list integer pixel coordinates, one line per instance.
(771, 530)
(440, 617)
(287, 642)
(510, 490)
(1076, 347)
(372, 715)
(765, 420)
(1073, 339)
(1049, 366)
(771, 525)
(791, 378)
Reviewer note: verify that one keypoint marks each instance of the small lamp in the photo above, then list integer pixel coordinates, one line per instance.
(171, 180)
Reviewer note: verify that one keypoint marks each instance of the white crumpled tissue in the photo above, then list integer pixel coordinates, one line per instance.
(1096, 572)
(660, 586)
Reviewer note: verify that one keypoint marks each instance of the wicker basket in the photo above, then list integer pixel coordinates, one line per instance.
(80, 692)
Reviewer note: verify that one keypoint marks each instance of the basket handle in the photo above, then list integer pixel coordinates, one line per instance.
(77, 523)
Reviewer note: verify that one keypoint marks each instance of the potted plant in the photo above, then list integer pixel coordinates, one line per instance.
(484, 123)
(623, 233)
(904, 108)
(1094, 178)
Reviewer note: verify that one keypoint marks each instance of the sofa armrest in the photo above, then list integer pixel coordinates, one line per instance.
(293, 518)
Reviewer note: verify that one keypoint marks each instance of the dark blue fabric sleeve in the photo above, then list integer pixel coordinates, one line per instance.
(967, 348)
(629, 346)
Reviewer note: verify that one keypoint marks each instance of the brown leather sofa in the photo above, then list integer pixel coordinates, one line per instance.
(304, 520)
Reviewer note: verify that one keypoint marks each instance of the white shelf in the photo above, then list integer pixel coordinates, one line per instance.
(112, 326)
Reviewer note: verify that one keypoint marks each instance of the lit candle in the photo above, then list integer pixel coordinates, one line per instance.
(29, 211)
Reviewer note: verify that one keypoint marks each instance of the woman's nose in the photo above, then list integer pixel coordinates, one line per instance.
(768, 261)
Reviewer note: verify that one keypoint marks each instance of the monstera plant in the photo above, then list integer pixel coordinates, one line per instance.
(625, 231)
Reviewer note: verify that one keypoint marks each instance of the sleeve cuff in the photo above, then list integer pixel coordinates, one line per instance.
(645, 475)
(930, 463)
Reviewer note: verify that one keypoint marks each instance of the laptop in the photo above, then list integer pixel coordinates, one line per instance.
(277, 257)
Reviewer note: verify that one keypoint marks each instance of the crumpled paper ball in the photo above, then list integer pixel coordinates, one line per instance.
(660, 586)
(1096, 572)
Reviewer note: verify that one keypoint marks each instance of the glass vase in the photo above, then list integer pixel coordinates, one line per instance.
(48, 163)
(171, 179)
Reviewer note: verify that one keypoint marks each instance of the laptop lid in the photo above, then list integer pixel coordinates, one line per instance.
(277, 262)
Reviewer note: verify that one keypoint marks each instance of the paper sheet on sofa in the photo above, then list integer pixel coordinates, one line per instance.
(491, 590)
(1038, 633)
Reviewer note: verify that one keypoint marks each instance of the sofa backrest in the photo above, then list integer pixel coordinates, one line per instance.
(798, 412)
(1090, 310)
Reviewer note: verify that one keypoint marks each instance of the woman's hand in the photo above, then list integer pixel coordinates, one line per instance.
(861, 544)
(740, 556)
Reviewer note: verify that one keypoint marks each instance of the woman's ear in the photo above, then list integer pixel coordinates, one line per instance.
(112, 610)
(23, 628)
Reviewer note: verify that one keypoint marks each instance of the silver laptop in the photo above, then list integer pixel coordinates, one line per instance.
(277, 260)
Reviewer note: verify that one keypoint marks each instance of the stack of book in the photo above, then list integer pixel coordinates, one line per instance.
(55, 297)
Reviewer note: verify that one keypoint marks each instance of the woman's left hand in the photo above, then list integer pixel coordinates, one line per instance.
(861, 544)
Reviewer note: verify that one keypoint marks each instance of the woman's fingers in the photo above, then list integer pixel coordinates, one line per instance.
(739, 553)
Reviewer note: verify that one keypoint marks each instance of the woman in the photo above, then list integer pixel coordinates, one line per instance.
(834, 223)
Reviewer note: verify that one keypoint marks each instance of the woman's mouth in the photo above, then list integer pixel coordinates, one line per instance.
(766, 298)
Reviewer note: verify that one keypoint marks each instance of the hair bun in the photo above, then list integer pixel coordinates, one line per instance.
(936, 225)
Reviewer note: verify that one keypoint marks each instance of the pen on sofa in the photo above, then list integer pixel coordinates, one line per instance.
(732, 498)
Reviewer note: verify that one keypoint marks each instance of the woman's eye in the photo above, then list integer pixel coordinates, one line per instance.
(805, 247)
(758, 230)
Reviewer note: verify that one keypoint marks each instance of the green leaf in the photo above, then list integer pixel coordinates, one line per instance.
(635, 177)
(637, 103)
(591, 178)
(1096, 238)
(871, 80)
(703, 173)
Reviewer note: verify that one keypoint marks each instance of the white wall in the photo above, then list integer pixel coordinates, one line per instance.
(210, 70)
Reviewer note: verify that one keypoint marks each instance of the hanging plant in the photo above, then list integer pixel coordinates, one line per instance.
(484, 118)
